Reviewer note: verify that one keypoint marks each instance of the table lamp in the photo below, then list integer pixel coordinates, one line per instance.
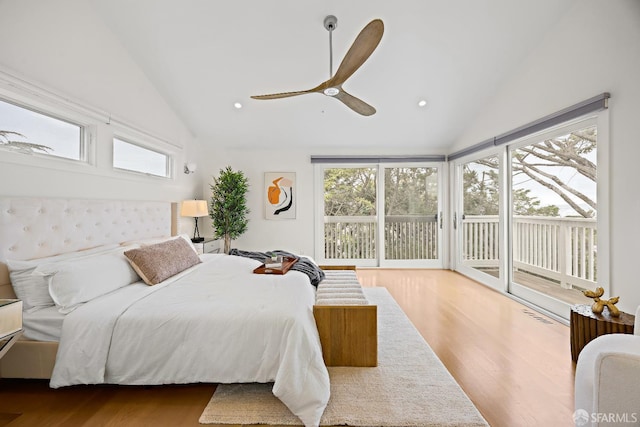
(195, 209)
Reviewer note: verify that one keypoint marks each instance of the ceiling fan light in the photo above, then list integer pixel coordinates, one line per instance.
(331, 91)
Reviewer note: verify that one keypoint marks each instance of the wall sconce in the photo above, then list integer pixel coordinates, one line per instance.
(190, 168)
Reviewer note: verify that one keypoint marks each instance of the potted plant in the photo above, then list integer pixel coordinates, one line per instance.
(229, 205)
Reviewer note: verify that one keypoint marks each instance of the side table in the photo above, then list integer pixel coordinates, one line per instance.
(8, 341)
(10, 323)
(208, 246)
(585, 325)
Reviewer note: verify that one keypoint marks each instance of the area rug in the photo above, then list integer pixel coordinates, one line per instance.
(409, 387)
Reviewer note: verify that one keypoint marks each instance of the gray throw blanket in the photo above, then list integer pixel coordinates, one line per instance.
(303, 265)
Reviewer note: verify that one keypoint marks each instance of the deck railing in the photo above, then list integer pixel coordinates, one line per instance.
(405, 237)
(560, 249)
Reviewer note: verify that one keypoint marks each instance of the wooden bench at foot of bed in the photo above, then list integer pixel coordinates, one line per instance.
(346, 322)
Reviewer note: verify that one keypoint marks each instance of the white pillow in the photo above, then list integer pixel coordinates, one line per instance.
(155, 240)
(81, 280)
(33, 290)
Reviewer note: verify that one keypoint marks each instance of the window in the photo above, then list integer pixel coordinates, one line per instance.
(411, 213)
(528, 216)
(379, 215)
(480, 221)
(554, 213)
(133, 157)
(350, 219)
(28, 131)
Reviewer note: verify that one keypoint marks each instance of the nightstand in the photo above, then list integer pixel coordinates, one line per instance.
(209, 246)
(10, 323)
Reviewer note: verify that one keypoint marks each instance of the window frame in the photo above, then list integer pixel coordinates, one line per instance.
(505, 283)
(379, 260)
(147, 143)
(86, 147)
(548, 303)
(98, 129)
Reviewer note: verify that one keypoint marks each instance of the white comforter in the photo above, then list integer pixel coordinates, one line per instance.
(216, 322)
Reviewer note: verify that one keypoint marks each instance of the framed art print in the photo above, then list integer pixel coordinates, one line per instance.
(280, 195)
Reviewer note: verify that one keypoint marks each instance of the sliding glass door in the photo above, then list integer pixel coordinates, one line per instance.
(477, 219)
(411, 216)
(379, 215)
(350, 219)
(554, 236)
(526, 217)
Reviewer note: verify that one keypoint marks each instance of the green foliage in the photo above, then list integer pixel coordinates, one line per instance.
(408, 191)
(350, 192)
(482, 197)
(229, 204)
(526, 205)
(411, 191)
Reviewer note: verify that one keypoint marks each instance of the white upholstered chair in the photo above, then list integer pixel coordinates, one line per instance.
(607, 385)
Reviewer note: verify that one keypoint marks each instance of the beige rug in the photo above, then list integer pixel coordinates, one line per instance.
(409, 387)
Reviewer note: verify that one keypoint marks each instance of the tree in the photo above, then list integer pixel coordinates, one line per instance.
(229, 205)
(535, 160)
(411, 191)
(350, 192)
(538, 161)
(7, 143)
(481, 195)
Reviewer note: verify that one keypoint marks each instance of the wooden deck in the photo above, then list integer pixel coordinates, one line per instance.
(545, 286)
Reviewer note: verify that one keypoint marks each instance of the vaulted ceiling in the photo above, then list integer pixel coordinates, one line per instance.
(203, 56)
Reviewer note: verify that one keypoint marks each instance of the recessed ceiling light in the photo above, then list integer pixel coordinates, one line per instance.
(237, 105)
(422, 103)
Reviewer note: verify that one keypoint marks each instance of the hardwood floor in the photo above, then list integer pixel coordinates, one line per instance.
(35, 404)
(514, 364)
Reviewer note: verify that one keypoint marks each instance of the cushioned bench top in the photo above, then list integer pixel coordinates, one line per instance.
(340, 287)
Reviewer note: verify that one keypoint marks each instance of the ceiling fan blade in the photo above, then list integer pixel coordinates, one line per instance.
(283, 94)
(362, 47)
(356, 104)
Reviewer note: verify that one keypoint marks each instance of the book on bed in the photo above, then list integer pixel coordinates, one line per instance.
(10, 316)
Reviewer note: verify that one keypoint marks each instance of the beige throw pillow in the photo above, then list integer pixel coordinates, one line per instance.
(155, 263)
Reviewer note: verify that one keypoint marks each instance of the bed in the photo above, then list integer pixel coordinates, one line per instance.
(214, 321)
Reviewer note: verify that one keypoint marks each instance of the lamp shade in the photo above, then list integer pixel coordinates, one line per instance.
(194, 208)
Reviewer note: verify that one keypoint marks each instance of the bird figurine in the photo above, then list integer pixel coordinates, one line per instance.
(599, 304)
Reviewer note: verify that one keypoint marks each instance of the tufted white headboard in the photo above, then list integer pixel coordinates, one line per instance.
(40, 227)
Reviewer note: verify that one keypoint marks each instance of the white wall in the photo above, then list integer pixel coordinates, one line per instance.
(295, 235)
(62, 46)
(594, 48)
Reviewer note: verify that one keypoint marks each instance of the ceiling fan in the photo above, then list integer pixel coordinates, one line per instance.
(360, 50)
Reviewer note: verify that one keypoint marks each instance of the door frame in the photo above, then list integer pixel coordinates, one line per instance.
(457, 212)
(505, 284)
(439, 263)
